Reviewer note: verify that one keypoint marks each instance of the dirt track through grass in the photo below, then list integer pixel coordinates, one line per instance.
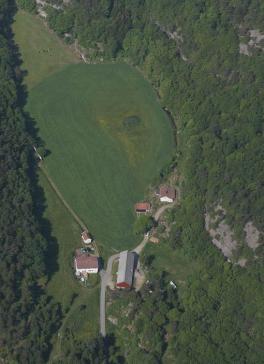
(57, 191)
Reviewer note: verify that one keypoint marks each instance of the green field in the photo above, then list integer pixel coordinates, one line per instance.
(108, 139)
(41, 50)
(107, 135)
(80, 305)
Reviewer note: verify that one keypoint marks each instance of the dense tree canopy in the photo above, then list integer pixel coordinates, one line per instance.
(27, 318)
(190, 51)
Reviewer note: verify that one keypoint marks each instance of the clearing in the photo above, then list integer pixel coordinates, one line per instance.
(108, 139)
(42, 52)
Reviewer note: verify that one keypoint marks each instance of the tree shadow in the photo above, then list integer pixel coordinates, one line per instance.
(45, 226)
(30, 125)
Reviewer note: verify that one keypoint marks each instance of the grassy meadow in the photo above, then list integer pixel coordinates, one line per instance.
(80, 305)
(42, 52)
(108, 139)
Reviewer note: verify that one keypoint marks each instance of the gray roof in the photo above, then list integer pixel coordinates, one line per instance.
(126, 267)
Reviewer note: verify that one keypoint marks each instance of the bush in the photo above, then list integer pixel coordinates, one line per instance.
(143, 224)
(28, 5)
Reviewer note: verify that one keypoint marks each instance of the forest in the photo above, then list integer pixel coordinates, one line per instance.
(189, 50)
(28, 317)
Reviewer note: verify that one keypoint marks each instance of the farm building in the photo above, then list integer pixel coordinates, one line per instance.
(85, 264)
(125, 269)
(167, 194)
(86, 237)
(142, 207)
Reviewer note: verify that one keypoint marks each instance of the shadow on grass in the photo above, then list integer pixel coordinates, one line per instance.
(38, 196)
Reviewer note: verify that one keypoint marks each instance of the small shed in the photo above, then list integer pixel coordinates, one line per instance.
(142, 207)
(85, 264)
(167, 194)
(86, 237)
(125, 269)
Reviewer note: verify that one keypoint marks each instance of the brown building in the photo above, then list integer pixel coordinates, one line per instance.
(167, 193)
(142, 207)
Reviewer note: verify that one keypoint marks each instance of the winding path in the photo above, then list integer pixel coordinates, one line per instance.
(65, 203)
(106, 275)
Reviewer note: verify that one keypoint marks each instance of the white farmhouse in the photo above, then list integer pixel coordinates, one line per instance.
(85, 264)
(167, 194)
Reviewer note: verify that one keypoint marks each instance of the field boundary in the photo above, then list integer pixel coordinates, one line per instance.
(65, 203)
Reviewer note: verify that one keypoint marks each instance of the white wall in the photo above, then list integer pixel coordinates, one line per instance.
(86, 271)
(166, 199)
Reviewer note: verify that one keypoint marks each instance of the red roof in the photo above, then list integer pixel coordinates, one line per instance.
(85, 261)
(123, 285)
(167, 191)
(142, 206)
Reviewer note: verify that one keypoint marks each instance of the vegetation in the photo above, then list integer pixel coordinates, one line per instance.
(148, 315)
(143, 224)
(79, 304)
(190, 52)
(28, 318)
(42, 52)
(95, 160)
(28, 5)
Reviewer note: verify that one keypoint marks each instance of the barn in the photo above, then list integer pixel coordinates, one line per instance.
(125, 269)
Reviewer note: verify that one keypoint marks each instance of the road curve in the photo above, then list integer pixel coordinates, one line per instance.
(106, 275)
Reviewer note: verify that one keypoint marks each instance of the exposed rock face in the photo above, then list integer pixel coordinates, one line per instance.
(223, 236)
(220, 231)
(252, 235)
(112, 319)
(176, 36)
(256, 41)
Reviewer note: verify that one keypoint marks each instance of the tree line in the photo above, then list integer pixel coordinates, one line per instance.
(190, 53)
(28, 318)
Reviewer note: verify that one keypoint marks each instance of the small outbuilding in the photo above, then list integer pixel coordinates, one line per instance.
(125, 269)
(142, 207)
(85, 264)
(167, 194)
(86, 237)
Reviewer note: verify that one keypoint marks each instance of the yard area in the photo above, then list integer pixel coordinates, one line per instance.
(80, 305)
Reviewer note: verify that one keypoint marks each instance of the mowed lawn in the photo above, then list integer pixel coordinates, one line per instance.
(108, 139)
(42, 52)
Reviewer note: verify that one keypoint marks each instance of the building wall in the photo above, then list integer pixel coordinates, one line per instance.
(123, 285)
(86, 271)
(166, 199)
(87, 241)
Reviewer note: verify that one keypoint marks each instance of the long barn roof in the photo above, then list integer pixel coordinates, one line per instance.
(125, 267)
